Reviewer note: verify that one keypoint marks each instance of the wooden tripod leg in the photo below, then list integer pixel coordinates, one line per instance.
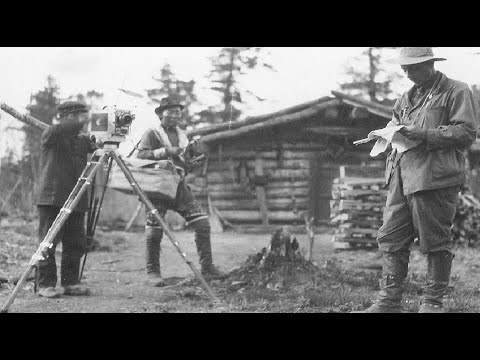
(133, 217)
(72, 201)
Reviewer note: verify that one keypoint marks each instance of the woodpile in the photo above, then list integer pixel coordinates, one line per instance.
(357, 210)
(466, 224)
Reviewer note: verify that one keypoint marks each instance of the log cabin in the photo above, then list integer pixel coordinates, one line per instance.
(278, 168)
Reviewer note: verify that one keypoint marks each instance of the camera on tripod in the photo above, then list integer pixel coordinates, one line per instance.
(110, 125)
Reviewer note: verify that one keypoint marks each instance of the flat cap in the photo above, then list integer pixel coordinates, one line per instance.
(70, 107)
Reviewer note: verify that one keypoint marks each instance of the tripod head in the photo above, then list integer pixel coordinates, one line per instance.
(106, 146)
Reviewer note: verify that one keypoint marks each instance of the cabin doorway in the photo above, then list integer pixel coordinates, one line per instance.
(322, 174)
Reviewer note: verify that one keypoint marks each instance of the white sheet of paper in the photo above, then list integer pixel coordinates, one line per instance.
(385, 136)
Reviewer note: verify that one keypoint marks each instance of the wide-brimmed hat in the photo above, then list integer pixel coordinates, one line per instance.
(167, 103)
(414, 55)
(71, 107)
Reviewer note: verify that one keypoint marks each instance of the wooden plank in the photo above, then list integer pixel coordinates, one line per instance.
(287, 192)
(252, 204)
(346, 194)
(267, 164)
(357, 231)
(251, 216)
(356, 214)
(287, 184)
(273, 155)
(337, 238)
(217, 177)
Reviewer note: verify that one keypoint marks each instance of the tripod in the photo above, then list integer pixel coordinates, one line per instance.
(107, 153)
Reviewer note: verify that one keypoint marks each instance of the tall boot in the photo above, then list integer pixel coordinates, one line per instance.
(439, 267)
(153, 238)
(394, 272)
(204, 249)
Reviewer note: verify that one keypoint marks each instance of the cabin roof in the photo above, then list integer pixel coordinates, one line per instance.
(292, 114)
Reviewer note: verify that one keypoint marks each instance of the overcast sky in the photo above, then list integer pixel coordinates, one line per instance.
(303, 73)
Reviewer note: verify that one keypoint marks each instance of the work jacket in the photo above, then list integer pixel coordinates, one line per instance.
(160, 138)
(449, 113)
(64, 156)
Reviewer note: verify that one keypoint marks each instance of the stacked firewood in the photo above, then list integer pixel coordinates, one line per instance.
(466, 224)
(356, 209)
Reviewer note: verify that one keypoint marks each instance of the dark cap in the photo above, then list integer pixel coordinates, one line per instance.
(167, 103)
(71, 107)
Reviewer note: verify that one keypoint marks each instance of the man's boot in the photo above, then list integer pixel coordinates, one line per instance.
(204, 249)
(439, 267)
(394, 272)
(70, 275)
(153, 237)
(48, 292)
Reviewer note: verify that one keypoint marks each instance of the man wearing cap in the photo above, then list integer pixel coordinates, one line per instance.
(64, 156)
(168, 141)
(425, 181)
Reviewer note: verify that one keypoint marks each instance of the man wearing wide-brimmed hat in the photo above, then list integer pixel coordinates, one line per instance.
(424, 182)
(168, 141)
(64, 156)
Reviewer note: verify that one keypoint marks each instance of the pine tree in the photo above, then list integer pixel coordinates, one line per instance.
(43, 106)
(181, 91)
(227, 68)
(367, 77)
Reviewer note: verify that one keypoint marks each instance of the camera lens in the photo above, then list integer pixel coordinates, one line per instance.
(124, 119)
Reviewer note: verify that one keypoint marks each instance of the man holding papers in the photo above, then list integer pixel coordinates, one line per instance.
(432, 124)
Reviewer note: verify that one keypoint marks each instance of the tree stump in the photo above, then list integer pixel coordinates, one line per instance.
(282, 247)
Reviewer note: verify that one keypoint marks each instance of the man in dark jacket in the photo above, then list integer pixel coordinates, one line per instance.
(168, 141)
(64, 156)
(425, 181)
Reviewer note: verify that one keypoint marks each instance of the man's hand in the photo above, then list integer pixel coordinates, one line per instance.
(413, 132)
(196, 162)
(173, 150)
(393, 122)
(158, 153)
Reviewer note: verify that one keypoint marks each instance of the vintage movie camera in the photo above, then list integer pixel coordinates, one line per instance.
(110, 125)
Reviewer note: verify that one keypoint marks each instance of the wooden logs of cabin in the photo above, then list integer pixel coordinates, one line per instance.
(266, 183)
(357, 209)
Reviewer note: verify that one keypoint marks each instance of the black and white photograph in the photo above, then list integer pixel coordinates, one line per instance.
(337, 180)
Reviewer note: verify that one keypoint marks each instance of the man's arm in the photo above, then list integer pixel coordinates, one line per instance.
(463, 118)
(146, 147)
(395, 121)
(54, 133)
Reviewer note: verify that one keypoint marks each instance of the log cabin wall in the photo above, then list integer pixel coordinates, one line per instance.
(279, 175)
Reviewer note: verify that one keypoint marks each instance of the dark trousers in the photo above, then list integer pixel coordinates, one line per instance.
(72, 236)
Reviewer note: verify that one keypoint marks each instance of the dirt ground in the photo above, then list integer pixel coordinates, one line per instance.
(345, 280)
